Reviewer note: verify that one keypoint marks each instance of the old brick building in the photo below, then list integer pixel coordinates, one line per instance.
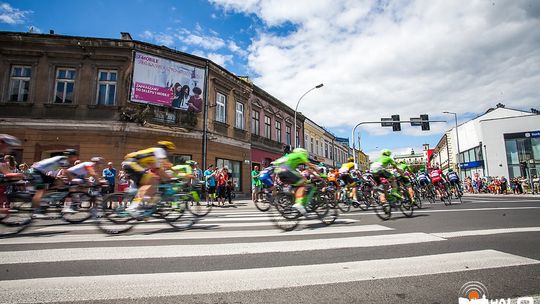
(67, 91)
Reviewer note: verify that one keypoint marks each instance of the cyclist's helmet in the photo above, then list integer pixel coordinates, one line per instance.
(350, 159)
(98, 160)
(300, 150)
(191, 163)
(167, 145)
(386, 152)
(287, 149)
(71, 152)
(10, 140)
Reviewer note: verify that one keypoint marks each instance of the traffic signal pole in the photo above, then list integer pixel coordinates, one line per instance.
(379, 122)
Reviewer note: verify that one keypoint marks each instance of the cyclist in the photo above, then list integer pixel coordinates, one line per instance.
(287, 172)
(437, 177)
(345, 173)
(146, 168)
(82, 171)
(266, 178)
(44, 173)
(379, 170)
(453, 178)
(423, 179)
(184, 170)
(405, 178)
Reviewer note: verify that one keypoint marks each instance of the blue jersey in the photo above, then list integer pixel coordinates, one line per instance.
(266, 172)
(452, 176)
(422, 176)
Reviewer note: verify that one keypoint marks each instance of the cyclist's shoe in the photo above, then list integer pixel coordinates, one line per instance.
(68, 209)
(39, 213)
(134, 210)
(300, 209)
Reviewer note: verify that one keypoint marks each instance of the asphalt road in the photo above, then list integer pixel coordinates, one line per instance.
(236, 255)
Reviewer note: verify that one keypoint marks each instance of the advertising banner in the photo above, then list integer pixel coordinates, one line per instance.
(167, 83)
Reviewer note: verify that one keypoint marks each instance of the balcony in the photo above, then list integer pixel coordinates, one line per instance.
(263, 142)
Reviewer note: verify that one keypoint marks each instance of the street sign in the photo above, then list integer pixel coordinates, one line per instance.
(416, 121)
(396, 125)
(386, 122)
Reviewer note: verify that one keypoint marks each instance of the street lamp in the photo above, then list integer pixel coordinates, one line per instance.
(296, 139)
(457, 140)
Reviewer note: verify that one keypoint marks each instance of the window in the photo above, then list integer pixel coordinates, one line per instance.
(177, 158)
(19, 83)
(255, 123)
(106, 90)
(297, 138)
(288, 134)
(326, 149)
(239, 115)
(221, 106)
(278, 131)
(311, 144)
(65, 84)
(267, 127)
(235, 168)
(306, 140)
(317, 147)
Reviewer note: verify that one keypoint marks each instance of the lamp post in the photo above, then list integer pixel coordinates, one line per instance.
(457, 140)
(296, 139)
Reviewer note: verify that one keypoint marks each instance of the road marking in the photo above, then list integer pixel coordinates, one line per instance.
(177, 251)
(200, 224)
(190, 235)
(449, 210)
(485, 232)
(71, 289)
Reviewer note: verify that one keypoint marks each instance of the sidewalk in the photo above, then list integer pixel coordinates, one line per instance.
(502, 195)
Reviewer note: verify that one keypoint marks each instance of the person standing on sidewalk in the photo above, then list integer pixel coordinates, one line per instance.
(255, 183)
(210, 178)
(109, 174)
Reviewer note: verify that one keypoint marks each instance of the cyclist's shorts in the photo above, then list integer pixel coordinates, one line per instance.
(436, 180)
(347, 178)
(138, 174)
(291, 177)
(380, 174)
(42, 181)
(454, 182)
(423, 182)
(405, 180)
(266, 180)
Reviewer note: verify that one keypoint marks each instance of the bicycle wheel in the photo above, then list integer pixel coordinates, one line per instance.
(173, 212)
(116, 219)
(383, 211)
(406, 205)
(196, 207)
(262, 202)
(344, 203)
(326, 214)
(83, 204)
(447, 198)
(283, 215)
(18, 216)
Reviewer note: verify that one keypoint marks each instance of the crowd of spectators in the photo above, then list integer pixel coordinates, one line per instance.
(501, 185)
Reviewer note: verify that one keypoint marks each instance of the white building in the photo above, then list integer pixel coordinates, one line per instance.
(493, 144)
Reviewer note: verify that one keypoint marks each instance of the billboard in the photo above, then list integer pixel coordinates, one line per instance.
(167, 83)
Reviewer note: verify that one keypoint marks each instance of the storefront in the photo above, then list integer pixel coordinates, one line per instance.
(523, 153)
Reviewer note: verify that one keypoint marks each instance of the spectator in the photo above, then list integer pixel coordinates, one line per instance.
(11, 164)
(230, 186)
(536, 184)
(210, 177)
(123, 181)
(109, 174)
(222, 177)
(255, 183)
(504, 185)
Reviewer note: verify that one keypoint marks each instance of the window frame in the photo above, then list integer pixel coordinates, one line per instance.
(267, 127)
(66, 81)
(107, 84)
(288, 134)
(19, 79)
(256, 122)
(221, 103)
(239, 122)
(278, 131)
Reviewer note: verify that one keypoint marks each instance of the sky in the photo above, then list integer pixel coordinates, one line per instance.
(375, 58)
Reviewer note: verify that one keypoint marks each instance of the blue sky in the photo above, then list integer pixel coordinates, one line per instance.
(375, 58)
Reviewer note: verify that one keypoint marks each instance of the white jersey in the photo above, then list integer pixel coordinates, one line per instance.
(81, 170)
(51, 164)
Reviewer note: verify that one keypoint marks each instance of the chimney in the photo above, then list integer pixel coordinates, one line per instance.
(125, 36)
(51, 32)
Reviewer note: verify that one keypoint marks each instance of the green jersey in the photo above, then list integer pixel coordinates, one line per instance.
(382, 163)
(292, 160)
(182, 170)
(404, 167)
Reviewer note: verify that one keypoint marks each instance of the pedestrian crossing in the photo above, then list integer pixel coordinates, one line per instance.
(230, 237)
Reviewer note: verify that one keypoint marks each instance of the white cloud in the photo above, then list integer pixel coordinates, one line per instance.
(34, 29)
(11, 15)
(233, 47)
(206, 42)
(220, 59)
(378, 58)
(158, 38)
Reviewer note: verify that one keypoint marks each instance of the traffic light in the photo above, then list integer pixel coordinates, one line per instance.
(425, 122)
(396, 126)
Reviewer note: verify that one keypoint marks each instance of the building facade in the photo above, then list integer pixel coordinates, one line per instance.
(272, 123)
(363, 160)
(319, 143)
(493, 144)
(61, 92)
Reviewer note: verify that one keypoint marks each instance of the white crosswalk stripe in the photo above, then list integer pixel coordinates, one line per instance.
(227, 233)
